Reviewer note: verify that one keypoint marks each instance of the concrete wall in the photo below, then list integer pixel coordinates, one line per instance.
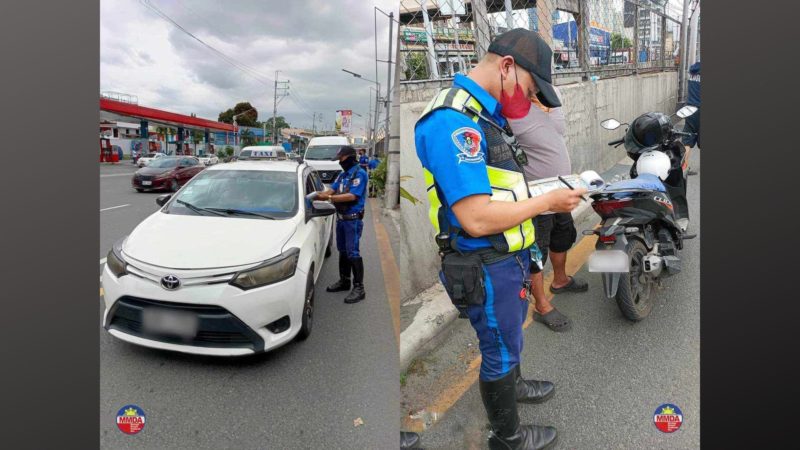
(585, 105)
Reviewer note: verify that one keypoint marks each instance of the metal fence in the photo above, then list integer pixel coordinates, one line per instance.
(603, 38)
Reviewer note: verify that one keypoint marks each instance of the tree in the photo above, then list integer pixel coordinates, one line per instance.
(619, 42)
(416, 66)
(247, 137)
(279, 120)
(248, 119)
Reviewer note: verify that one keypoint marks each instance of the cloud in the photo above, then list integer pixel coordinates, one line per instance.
(309, 41)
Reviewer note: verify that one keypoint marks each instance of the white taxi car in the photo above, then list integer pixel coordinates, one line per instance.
(226, 267)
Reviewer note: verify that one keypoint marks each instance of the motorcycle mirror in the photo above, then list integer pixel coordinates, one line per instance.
(610, 124)
(686, 111)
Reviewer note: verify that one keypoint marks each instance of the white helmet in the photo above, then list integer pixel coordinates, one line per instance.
(655, 163)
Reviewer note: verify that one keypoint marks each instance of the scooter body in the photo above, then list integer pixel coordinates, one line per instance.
(639, 237)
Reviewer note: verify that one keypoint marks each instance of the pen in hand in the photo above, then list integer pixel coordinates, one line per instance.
(570, 186)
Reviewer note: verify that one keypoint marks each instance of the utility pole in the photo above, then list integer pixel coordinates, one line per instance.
(691, 55)
(392, 139)
(284, 85)
(684, 51)
(314, 123)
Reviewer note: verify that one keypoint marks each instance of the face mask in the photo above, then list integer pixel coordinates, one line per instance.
(516, 106)
(348, 162)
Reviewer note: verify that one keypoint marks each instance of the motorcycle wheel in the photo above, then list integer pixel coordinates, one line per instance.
(635, 293)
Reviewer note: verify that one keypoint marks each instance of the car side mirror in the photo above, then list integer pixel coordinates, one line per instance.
(320, 209)
(162, 200)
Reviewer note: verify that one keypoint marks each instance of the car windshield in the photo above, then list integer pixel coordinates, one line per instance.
(163, 163)
(322, 152)
(151, 155)
(272, 194)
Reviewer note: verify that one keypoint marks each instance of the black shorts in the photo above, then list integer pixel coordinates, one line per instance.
(554, 232)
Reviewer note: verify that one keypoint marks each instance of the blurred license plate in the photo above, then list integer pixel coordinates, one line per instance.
(609, 261)
(146, 183)
(164, 321)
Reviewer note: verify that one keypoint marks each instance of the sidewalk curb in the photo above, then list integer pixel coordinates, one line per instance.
(438, 313)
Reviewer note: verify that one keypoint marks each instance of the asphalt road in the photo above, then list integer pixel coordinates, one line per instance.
(302, 395)
(610, 374)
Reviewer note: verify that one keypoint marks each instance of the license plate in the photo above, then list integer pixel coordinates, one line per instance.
(609, 261)
(146, 183)
(162, 321)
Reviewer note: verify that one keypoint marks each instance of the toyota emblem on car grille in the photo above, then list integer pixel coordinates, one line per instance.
(170, 282)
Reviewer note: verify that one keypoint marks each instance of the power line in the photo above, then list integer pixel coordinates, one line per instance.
(253, 73)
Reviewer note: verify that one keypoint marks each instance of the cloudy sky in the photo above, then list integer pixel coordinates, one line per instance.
(309, 41)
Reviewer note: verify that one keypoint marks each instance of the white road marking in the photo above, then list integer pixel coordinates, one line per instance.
(102, 261)
(115, 207)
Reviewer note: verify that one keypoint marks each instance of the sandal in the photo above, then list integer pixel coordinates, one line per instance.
(554, 320)
(574, 285)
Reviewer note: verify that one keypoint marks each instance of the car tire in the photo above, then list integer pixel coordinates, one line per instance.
(307, 321)
(174, 186)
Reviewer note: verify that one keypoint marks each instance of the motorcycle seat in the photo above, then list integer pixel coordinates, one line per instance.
(643, 181)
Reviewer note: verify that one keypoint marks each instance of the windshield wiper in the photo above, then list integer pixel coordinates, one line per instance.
(198, 209)
(231, 211)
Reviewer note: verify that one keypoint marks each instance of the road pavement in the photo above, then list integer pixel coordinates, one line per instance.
(303, 395)
(610, 374)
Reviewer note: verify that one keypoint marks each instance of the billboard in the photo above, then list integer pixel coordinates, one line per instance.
(344, 118)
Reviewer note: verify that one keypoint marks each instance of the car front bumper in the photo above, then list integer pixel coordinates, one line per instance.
(231, 321)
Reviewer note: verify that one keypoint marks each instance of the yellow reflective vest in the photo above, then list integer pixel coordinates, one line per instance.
(505, 176)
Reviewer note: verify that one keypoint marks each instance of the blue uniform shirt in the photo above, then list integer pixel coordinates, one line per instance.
(363, 161)
(357, 186)
(374, 163)
(453, 148)
(694, 85)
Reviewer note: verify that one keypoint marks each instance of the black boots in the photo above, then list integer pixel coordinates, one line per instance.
(344, 275)
(408, 440)
(357, 294)
(500, 400)
(532, 391)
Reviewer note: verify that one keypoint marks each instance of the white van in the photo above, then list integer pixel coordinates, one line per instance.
(321, 156)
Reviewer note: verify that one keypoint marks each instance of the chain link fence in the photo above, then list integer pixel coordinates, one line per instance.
(603, 38)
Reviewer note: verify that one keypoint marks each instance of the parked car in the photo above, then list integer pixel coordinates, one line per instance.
(168, 172)
(209, 159)
(146, 159)
(321, 155)
(227, 266)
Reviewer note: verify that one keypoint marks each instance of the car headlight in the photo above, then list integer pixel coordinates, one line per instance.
(115, 262)
(271, 271)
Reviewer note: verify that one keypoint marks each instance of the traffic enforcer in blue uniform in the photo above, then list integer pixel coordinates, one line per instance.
(348, 193)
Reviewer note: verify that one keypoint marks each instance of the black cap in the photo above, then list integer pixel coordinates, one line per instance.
(345, 151)
(532, 53)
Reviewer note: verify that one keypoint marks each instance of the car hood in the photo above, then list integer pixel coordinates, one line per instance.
(205, 242)
(322, 164)
(154, 170)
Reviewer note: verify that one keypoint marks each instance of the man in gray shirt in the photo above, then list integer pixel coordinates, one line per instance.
(542, 135)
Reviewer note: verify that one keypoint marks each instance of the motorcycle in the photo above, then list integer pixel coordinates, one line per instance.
(640, 235)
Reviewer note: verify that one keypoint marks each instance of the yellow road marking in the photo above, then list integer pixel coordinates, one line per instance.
(101, 292)
(391, 274)
(576, 258)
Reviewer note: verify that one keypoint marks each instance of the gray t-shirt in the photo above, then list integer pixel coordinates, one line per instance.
(542, 135)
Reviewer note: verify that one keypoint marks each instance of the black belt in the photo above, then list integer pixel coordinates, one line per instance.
(353, 216)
